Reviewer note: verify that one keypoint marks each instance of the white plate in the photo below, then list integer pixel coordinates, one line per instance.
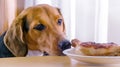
(92, 59)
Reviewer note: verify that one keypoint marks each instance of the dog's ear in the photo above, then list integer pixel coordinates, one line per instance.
(59, 10)
(14, 38)
(62, 18)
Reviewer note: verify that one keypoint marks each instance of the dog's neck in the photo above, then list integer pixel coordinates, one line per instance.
(34, 53)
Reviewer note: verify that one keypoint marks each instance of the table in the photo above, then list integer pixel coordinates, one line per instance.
(47, 61)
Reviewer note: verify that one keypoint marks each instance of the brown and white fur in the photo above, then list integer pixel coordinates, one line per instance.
(38, 29)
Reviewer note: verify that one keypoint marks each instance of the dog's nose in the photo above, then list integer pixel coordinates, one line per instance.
(65, 44)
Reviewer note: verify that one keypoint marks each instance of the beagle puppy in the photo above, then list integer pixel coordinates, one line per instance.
(37, 29)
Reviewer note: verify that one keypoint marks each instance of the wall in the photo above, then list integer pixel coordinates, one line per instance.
(85, 20)
(65, 9)
(2, 16)
(114, 21)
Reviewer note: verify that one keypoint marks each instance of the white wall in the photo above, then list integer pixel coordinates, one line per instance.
(114, 21)
(85, 19)
(65, 9)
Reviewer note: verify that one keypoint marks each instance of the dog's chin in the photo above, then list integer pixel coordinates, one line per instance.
(58, 54)
(45, 54)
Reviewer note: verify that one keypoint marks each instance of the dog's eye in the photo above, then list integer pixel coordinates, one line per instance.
(59, 21)
(40, 27)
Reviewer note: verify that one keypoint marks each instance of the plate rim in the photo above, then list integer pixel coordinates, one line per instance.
(79, 55)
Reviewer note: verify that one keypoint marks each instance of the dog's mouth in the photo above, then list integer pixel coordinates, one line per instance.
(62, 45)
(47, 54)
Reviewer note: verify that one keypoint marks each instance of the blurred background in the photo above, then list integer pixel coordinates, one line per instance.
(86, 20)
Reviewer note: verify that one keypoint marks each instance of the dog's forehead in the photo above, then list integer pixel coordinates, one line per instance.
(42, 14)
(43, 9)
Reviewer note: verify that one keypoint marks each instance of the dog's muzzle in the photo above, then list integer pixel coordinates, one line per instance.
(62, 45)
(65, 44)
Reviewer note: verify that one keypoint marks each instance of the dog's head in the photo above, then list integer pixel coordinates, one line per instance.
(37, 28)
